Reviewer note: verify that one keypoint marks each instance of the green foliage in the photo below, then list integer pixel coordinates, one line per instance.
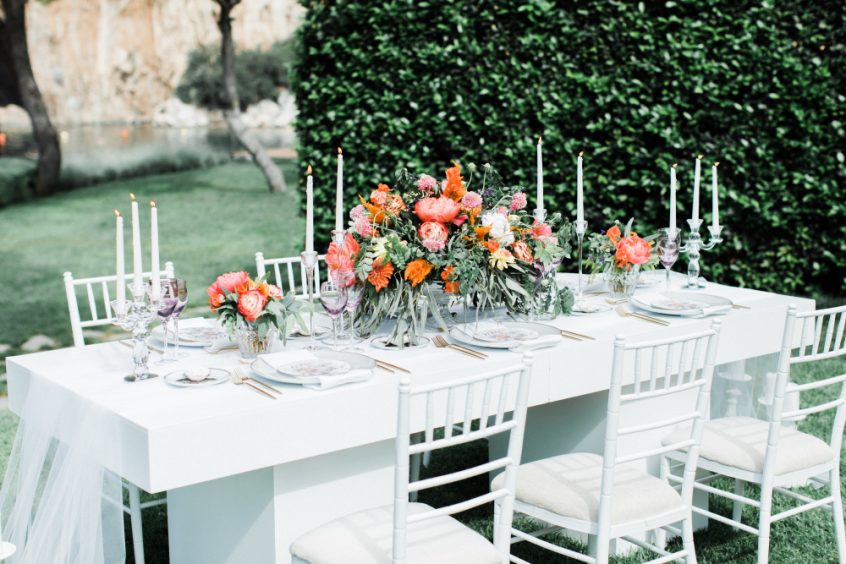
(16, 179)
(637, 86)
(258, 74)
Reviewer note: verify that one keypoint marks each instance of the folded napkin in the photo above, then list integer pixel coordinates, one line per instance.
(709, 310)
(274, 360)
(542, 342)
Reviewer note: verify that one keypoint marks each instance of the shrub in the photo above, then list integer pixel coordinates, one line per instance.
(16, 179)
(637, 86)
(258, 74)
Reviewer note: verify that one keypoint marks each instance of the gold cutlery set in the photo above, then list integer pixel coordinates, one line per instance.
(442, 343)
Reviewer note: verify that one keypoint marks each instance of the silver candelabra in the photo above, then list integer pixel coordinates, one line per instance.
(309, 261)
(693, 246)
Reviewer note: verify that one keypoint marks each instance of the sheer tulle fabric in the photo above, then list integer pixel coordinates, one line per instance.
(58, 504)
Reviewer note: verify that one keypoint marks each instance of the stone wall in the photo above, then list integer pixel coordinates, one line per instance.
(118, 60)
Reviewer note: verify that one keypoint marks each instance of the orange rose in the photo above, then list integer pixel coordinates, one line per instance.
(614, 234)
(454, 187)
(522, 251)
(450, 286)
(251, 304)
(417, 270)
(216, 296)
(381, 274)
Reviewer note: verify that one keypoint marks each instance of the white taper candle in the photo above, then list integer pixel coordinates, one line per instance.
(539, 204)
(137, 271)
(673, 198)
(580, 190)
(715, 206)
(339, 193)
(697, 177)
(309, 238)
(155, 281)
(120, 267)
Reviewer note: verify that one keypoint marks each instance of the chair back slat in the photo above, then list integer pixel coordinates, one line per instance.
(447, 404)
(95, 288)
(290, 274)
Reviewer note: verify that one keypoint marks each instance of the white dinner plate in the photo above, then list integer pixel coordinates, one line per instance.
(465, 333)
(683, 304)
(216, 376)
(501, 333)
(355, 361)
(314, 367)
(188, 336)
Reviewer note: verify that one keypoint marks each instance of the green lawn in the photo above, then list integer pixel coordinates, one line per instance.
(213, 220)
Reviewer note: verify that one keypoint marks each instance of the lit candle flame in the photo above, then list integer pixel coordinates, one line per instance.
(717, 163)
(152, 204)
(340, 152)
(581, 153)
(699, 157)
(308, 171)
(675, 165)
(540, 139)
(132, 196)
(117, 213)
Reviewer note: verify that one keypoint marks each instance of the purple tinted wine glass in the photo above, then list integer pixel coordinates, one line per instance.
(334, 300)
(166, 304)
(181, 302)
(668, 250)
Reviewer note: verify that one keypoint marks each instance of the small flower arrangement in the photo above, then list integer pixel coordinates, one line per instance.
(620, 250)
(243, 303)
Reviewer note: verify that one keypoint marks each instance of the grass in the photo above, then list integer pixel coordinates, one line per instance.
(213, 220)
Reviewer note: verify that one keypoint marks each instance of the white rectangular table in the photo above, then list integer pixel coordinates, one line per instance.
(245, 475)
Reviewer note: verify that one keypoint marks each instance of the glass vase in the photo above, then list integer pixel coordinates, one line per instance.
(545, 292)
(621, 284)
(250, 345)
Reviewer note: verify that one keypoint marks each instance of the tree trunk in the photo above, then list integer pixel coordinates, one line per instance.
(49, 155)
(275, 179)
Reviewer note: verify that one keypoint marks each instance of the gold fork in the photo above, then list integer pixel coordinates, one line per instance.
(441, 343)
(623, 312)
(576, 336)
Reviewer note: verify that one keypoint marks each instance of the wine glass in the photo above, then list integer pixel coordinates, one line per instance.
(333, 297)
(668, 250)
(181, 302)
(355, 294)
(168, 291)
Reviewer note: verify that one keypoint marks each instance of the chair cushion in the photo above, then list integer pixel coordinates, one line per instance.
(741, 442)
(569, 485)
(366, 537)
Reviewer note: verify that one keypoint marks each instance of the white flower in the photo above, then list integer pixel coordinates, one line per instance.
(500, 227)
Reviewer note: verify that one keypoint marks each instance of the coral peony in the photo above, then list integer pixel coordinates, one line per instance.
(417, 270)
(381, 274)
(632, 250)
(522, 251)
(471, 200)
(342, 257)
(231, 280)
(454, 188)
(441, 209)
(426, 184)
(518, 201)
(251, 304)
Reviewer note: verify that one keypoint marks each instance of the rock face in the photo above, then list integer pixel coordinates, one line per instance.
(119, 60)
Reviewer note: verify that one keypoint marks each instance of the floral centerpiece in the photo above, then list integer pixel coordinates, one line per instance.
(252, 310)
(620, 254)
(479, 244)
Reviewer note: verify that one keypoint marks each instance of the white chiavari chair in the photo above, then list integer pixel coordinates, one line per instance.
(289, 273)
(610, 496)
(96, 291)
(772, 453)
(415, 533)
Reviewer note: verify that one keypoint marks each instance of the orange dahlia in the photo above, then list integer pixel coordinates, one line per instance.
(454, 186)
(381, 274)
(417, 270)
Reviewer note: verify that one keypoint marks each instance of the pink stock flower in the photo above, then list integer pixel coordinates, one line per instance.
(251, 304)
(358, 212)
(632, 250)
(471, 200)
(232, 280)
(378, 197)
(363, 227)
(426, 184)
(441, 209)
(518, 201)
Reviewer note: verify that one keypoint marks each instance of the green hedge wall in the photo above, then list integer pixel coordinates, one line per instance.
(637, 86)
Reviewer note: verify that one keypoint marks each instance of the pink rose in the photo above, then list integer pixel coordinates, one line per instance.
(426, 184)
(251, 304)
(358, 212)
(378, 197)
(434, 235)
(232, 280)
(632, 250)
(518, 201)
(274, 292)
(471, 200)
(363, 227)
(441, 209)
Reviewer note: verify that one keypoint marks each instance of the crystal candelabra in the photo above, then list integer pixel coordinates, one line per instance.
(338, 237)
(309, 261)
(135, 316)
(581, 228)
(693, 246)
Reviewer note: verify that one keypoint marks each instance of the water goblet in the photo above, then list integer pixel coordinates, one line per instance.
(333, 297)
(181, 302)
(355, 294)
(164, 310)
(668, 250)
